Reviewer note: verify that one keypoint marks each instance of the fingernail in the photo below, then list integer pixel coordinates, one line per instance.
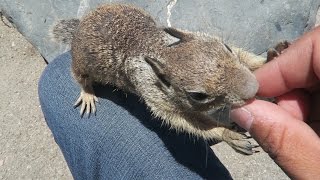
(242, 117)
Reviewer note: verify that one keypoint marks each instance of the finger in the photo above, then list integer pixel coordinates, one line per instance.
(297, 67)
(83, 106)
(88, 107)
(290, 142)
(77, 103)
(296, 103)
(93, 107)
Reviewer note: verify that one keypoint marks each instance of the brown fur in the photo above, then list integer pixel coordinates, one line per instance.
(184, 77)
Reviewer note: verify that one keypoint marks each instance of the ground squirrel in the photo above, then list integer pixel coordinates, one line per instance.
(185, 78)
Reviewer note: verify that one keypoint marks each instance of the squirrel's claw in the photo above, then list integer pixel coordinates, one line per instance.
(87, 102)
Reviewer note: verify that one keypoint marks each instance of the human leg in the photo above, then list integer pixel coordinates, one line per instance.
(123, 140)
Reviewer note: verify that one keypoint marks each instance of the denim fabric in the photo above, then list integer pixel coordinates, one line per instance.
(123, 140)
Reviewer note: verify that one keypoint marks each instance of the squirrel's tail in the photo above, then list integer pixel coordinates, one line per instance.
(64, 29)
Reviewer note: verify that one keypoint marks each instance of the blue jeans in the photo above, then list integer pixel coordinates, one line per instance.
(123, 140)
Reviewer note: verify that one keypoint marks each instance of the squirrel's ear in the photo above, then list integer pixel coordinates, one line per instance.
(158, 69)
(182, 36)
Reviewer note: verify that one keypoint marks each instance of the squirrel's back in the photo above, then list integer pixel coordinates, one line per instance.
(123, 24)
(108, 37)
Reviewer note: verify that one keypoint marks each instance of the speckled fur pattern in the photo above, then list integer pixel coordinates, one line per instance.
(183, 77)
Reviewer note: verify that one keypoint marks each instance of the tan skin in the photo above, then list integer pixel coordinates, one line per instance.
(289, 130)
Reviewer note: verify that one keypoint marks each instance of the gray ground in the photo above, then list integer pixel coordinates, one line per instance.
(27, 148)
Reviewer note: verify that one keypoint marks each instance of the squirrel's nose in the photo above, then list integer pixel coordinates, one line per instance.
(249, 87)
(244, 84)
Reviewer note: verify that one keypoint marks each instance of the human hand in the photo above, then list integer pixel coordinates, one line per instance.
(289, 130)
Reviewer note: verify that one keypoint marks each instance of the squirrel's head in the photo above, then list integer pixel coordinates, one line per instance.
(201, 73)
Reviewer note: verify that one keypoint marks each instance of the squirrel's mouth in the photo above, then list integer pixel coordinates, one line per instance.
(221, 114)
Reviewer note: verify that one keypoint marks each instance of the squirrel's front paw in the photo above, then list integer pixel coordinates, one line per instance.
(277, 50)
(87, 101)
(240, 142)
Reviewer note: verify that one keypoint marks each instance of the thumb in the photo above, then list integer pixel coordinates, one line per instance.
(292, 144)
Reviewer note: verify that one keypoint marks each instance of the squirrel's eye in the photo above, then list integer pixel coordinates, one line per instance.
(198, 97)
(228, 48)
